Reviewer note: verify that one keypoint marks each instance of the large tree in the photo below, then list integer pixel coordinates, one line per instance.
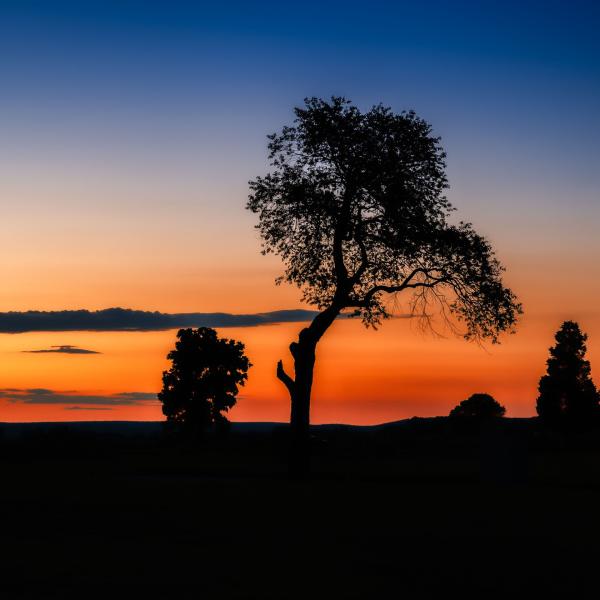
(567, 392)
(355, 207)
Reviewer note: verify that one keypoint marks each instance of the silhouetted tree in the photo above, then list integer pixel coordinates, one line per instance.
(479, 406)
(567, 393)
(204, 379)
(355, 207)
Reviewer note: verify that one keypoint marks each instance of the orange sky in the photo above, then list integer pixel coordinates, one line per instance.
(362, 376)
(105, 256)
(95, 255)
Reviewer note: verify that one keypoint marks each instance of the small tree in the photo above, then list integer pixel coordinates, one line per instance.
(567, 392)
(204, 379)
(355, 207)
(479, 406)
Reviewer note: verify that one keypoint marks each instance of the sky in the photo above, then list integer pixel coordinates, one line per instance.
(130, 130)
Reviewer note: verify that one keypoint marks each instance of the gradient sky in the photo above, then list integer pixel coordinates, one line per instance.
(129, 130)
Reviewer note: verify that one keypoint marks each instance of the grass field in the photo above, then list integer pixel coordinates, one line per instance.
(416, 510)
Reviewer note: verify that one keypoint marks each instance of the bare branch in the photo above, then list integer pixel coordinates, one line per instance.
(283, 376)
(406, 284)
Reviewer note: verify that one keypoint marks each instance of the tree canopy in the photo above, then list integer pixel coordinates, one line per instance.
(204, 379)
(355, 206)
(567, 392)
(478, 406)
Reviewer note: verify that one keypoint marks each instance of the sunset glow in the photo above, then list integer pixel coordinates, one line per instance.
(124, 163)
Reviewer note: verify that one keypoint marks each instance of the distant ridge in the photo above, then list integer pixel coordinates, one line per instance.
(151, 427)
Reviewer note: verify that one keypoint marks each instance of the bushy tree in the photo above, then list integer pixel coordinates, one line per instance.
(567, 392)
(355, 207)
(478, 406)
(204, 379)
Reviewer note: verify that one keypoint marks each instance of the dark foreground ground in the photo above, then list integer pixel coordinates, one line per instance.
(419, 509)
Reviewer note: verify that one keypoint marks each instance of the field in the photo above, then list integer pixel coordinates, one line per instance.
(416, 509)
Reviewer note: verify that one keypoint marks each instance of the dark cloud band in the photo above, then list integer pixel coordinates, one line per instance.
(45, 396)
(125, 319)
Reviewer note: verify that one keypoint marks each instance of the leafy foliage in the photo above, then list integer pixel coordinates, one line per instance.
(567, 392)
(479, 406)
(355, 207)
(204, 378)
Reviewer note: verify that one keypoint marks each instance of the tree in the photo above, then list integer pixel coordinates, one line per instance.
(567, 392)
(204, 379)
(355, 207)
(479, 406)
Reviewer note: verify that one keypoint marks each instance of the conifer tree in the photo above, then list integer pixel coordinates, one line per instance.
(567, 392)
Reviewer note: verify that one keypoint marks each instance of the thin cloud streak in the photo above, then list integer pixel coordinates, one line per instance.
(64, 349)
(46, 396)
(88, 408)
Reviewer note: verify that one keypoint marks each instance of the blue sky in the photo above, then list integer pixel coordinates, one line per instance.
(161, 108)
(455, 62)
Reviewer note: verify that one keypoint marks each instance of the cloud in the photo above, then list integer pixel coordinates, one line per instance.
(64, 349)
(126, 319)
(88, 407)
(46, 396)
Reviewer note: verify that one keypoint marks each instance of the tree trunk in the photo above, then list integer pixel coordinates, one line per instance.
(303, 352)
(304, 362)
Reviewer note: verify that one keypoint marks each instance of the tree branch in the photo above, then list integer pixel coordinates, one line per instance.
(322, 321)
(340, 232)
(338, 257)
(364, 262)
(406, 284)
(283, 376)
